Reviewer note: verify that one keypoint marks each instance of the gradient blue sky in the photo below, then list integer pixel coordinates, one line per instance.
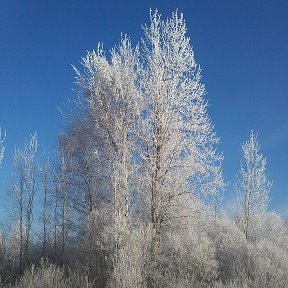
(241, 46)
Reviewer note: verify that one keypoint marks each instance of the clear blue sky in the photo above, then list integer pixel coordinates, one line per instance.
(241, 46)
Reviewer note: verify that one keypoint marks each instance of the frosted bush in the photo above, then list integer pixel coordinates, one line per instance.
(51, 276)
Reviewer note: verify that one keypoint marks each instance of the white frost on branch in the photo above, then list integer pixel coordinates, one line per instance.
(2, 148)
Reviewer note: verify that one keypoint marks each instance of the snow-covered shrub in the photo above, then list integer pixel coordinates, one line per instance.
(258, 262)
(188, 256)
(229, 242)
(230, 284)
(268, 265)
(52, 276)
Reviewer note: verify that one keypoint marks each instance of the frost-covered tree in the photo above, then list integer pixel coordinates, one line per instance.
(154, 143)
(111, 101)
(45, 181)
(23, 192)
(179, 142)
(252, 185)
(62, 194)
(108, 87)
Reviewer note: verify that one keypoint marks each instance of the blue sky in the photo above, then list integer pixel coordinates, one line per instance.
(241, 46)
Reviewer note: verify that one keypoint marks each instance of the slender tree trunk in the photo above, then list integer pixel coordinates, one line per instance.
(155, 207)
(45, 182)
(55, 220)
(21, 187)
(63, 232)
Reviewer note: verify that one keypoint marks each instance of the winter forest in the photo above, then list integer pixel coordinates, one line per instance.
(132, 196)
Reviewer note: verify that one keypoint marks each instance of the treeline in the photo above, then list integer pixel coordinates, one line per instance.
(133, 195)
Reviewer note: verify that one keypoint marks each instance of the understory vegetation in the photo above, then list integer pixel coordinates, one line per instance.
(132, 196)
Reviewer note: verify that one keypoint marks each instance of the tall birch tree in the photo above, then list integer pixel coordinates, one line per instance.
(253, 185)
(23, 191)
(112, 99)
(179, 141)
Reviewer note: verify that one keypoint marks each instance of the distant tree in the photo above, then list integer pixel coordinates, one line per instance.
(252, 185)
(23, 192)
(62, 182)
(45, 180)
